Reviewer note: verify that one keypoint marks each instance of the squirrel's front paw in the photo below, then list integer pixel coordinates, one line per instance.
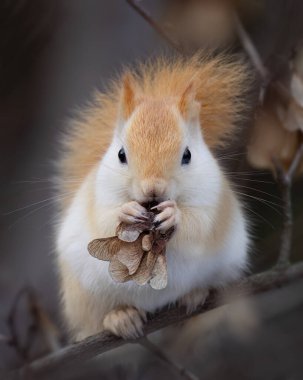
(132, 212)
(168, 217)
(126, 322)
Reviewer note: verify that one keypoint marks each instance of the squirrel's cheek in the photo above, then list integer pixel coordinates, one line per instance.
(135, 192)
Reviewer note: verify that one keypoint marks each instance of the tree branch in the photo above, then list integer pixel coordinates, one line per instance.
(148, 18)
(179, 369)
(250, 48)
(57, 365)
(39, 326)
(22, 349)
(253, 54)
(285, 180)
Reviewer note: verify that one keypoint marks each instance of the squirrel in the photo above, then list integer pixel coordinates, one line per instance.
(151, 137)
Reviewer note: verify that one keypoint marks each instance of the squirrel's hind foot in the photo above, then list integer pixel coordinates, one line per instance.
(193, 299)
(126, 322)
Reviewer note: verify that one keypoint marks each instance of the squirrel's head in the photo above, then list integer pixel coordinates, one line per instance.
(158, 150)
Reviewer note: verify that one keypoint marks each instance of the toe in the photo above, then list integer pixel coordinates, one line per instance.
(167, 224)
(126, 322)
(164, 215)
(132, 212)
(194, 299)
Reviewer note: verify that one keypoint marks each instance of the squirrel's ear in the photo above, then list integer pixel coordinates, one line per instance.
(188, 106)
(128, 96)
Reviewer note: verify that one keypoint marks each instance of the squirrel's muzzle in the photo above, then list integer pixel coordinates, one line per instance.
(153, 188)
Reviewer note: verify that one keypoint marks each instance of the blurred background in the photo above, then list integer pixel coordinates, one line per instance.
(53, 55)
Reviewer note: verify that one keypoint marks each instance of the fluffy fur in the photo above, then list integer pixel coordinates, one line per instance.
(220, 84)
(154, 114)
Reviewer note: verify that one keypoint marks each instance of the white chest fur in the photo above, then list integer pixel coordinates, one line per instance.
(190, 265)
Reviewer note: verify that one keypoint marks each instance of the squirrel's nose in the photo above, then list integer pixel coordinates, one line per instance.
(153, 188)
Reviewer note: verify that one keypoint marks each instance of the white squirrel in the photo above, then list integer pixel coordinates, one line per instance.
(152, 137)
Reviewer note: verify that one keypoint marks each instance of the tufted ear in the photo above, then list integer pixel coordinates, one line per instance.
(188, 106)
(128, 96)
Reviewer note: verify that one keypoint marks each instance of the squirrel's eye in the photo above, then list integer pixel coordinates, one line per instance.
(186, 157)
(122, 156)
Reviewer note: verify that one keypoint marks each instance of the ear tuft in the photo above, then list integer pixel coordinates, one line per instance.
(128, 100)
(188, 106)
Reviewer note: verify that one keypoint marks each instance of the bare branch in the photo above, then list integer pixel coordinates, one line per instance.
(243, 36)
(39, 323)
(21, 349)
(148, 18)
(295, 162)
(285, 180)
(183, 372)
(286, 237)
(56, 365)
(250, 48)
(253, 55)
(49, 331)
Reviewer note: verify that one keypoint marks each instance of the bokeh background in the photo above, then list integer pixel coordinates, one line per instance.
(53, 55)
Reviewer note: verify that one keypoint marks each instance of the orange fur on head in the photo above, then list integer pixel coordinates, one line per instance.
(219, 84)
(154, 122)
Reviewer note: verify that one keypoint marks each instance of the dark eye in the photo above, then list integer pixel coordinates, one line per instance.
(122, 156)
(186, 157)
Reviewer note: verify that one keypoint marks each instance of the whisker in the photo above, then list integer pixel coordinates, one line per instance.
(259, 191)
(246, 173)
(227, 159)
(264, 201)
(255, 180)
(233, 154)
(258, 215)
(28, 181)
(54, 198)
(49, 203)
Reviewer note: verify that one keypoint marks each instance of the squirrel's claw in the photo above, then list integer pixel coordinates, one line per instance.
(169, 217)
(163, 205)
(132, 212)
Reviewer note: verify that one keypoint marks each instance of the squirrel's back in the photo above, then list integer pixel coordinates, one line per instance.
(219, 86)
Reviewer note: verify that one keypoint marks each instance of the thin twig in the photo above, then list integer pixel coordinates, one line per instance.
(250, 48)
(243, 36)
(295, 162)
(60, 364)
(48, 330)
(182, 371)
(285, 180)
(40, 322)
(253, 54)
(22, 350)
(286, 237)
(148, 18)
